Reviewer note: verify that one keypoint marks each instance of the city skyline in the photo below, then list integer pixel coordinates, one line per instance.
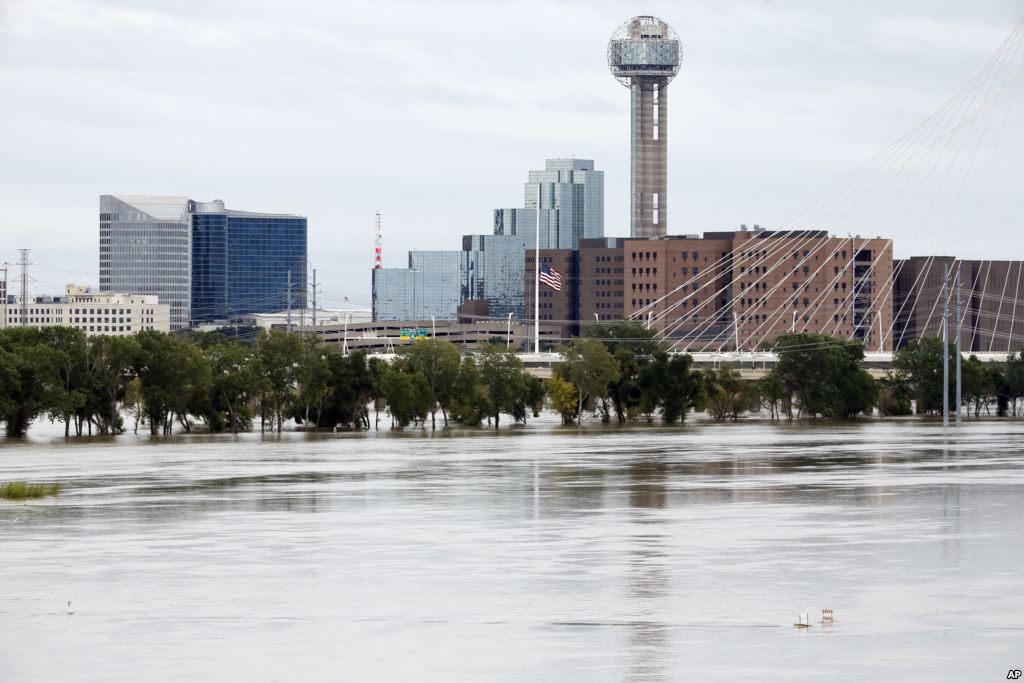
(759, 126)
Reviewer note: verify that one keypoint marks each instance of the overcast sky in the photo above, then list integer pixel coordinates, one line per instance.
(433, 112)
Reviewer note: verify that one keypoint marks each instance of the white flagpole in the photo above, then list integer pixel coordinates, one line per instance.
(536, 281)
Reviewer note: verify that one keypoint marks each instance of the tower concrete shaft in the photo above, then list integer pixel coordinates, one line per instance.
(649, 156)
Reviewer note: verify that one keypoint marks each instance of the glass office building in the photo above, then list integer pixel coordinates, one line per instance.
(144, 249)
(428, 288)
(245, 262)
(208, 263)
(491, 268)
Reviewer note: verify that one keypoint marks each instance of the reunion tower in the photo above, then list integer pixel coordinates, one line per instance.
(644, 55)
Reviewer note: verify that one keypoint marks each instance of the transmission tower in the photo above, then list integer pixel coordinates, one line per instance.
(377, 244)
(24, 263)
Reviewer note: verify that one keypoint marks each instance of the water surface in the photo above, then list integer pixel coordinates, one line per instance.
(536, 554)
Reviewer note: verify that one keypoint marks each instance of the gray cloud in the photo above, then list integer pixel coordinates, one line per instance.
(433, 113)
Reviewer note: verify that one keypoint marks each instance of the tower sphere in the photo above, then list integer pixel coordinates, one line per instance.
(644, 46)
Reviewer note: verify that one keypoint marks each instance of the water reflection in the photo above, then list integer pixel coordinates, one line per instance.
(647, 579)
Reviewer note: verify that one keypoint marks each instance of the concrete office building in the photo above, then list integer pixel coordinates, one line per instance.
(644, 55)
(145, 249)
(94, 313)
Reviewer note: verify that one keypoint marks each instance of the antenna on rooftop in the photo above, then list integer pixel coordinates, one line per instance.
(377, 244)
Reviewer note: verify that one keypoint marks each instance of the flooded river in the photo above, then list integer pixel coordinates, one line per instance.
(535, 554)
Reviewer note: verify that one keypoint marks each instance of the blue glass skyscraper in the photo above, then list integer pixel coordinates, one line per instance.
(242, 262)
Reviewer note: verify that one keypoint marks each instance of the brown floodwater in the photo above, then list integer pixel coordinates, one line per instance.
(535, 554)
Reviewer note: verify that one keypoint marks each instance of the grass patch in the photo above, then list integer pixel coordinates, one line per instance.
(21, 490)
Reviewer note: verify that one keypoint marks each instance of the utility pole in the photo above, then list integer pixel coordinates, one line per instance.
(288, 318)
(881, 334)
(959, 353)
(314, 300)
(24, 263)
(536, 279)
(945, 347)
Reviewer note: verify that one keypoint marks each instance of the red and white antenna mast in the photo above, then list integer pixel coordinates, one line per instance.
(376, 244)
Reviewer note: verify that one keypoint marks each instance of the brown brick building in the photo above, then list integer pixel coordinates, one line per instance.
(727, 289)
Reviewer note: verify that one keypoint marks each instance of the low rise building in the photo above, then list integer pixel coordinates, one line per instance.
(92, 312)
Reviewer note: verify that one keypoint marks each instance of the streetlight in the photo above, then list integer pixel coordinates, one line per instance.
(344, 344)
(508, 333)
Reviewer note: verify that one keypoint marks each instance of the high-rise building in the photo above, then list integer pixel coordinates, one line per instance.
(144, 249)
(245, 262)
(491, 267)
(208, 263)
(644, 55)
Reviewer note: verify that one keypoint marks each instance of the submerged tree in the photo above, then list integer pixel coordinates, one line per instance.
(824, 375)
(587, 365)
(920, 362)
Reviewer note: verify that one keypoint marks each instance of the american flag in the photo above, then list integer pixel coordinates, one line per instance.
(550, 277)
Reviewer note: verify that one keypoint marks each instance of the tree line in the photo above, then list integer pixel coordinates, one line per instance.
(101, 384)
(620, 371)
(624, 373)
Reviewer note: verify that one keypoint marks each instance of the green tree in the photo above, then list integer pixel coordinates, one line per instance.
(110, 362)
(563, 399)
(313, 381)
(590, 368)
(407, 394)
(33, 384)
(279, 354)
(174, 377)
(1013, 384)
(979, 385)
(920, 362)
(438, 361)
(352, 388)
(633, 346)
(773, 395)
(532, 399)
(726, 395)
(502, 376)
(71, 395)
(894, 395)
(670, 383)
(472, 402)
(237, 380)
(824, 374)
